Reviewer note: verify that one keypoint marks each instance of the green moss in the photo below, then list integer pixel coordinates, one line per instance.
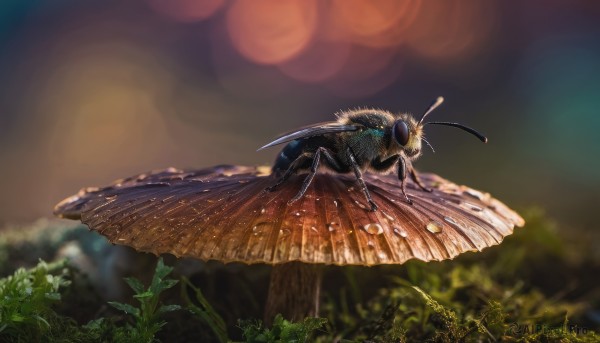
(26, 298)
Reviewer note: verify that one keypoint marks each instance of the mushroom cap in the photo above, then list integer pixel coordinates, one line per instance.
(224, 213)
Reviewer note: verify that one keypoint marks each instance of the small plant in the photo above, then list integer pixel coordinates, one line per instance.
(147, 318)
(281, 331)
(204, 311)
(26, 298)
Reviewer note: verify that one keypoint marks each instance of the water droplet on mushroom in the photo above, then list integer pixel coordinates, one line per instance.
(314, 229)
(474, 194)
(390, 218)
(451, 221)
(401, 233)
(373, 229)
(350, 189)
(382, 255)
(205, 190)
(317, 199)
(262, 210)
(332, 226)
(474, 207)
(434, 227)
(335, 203)
(359, 204)
(110, 197)
(297, 214)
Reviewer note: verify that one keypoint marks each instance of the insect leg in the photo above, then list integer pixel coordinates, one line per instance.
(402, 178)
(298, 162)
(359, 177)
(386, 164)
(311, 174)
(415, 177)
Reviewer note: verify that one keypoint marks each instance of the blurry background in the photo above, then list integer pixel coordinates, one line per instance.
(92, 91)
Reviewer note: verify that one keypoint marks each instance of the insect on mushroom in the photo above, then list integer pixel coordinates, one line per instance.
(223, 213)
(359, 140)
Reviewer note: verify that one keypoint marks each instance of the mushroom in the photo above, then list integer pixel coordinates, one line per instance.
(223, 213)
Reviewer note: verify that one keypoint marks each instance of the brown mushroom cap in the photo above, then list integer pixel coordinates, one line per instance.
(223, 213)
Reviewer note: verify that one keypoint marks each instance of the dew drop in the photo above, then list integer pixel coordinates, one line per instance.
(373, 229)
(474, 207)
(205, 190)
(262, 210)
(335, 203)
(434, 227)
(382, 255)
(359, 204)
(111, 197)
(297, 214)
(314, 229)
(331, 227)
(401, 233)
(390, 218)
(451, 221)
(350, 189)
(474, 194)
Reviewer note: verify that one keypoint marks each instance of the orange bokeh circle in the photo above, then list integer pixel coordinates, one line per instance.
(271, 31)
(375, 23)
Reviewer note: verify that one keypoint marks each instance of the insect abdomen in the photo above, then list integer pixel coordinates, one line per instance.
(288, 154)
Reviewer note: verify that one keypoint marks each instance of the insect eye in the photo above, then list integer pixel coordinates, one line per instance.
(401, 132)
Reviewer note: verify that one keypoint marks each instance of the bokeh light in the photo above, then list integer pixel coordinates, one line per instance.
(449, 30)
(321, 61)
(271, 31)
(379, 23)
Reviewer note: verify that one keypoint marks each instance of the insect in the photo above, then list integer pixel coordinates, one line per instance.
(358, 141)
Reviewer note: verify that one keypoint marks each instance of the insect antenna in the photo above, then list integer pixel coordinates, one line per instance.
(430, 146)
(462, 127)
(433, 106)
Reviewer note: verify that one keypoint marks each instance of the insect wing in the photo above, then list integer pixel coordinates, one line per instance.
(310, 131)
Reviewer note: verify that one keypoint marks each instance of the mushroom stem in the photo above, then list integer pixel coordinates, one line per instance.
(294, 291)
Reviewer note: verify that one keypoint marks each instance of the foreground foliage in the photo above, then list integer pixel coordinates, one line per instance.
(532, 288)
